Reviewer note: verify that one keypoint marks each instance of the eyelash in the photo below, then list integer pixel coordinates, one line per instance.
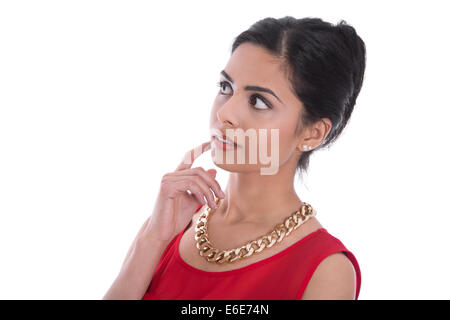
(221, 83)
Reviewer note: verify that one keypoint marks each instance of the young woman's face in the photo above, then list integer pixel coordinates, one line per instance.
(249, 109)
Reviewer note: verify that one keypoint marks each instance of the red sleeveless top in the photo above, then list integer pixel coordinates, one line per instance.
(283, 276)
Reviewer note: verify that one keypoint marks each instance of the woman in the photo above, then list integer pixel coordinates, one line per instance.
(299, 79)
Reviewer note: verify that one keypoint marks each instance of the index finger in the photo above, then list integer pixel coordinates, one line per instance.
(193, 154)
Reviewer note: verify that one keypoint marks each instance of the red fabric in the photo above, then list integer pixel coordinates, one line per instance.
(283, 276)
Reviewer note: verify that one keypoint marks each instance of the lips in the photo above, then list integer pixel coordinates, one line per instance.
(229, 140)
(223, 145)
(215, 132)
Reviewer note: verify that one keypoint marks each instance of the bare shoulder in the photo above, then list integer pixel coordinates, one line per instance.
(333, 279)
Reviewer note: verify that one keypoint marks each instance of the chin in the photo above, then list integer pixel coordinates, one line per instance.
(235, 167)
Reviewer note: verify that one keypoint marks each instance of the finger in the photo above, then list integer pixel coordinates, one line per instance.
(206, 191)
(185, 185)
(196, 185)
(209, 180)
(193, 154)
(196, 192)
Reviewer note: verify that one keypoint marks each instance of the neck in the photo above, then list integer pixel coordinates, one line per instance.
(262, 199)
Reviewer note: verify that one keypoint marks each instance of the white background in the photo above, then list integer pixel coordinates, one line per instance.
(98, 99)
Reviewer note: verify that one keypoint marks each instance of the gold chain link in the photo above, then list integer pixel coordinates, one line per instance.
(305, 212)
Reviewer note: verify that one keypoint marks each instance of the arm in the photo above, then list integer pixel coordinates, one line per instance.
(137, 270)
(334, 279)
(139, 235)
(142, 257)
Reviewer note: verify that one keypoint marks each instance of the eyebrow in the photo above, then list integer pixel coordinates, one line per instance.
(253, 88)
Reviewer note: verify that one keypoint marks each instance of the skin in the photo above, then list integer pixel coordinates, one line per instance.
(254, 201)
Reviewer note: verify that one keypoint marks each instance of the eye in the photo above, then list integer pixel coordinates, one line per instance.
(264, 105)
(221, 84)
(253, 98)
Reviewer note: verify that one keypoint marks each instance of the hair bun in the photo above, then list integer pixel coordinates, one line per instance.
(357, 50)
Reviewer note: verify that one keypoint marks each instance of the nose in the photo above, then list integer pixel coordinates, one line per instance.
(227, 114)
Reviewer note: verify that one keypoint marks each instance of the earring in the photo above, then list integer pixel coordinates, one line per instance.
(306, 148)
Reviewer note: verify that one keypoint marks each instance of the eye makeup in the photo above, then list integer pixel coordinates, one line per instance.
(253, 97)
(252, 88)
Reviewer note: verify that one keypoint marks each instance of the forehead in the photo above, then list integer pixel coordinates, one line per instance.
(253, 65)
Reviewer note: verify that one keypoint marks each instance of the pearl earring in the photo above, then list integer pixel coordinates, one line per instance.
(306, 148)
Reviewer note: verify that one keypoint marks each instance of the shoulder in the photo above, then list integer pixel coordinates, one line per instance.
(334, 278)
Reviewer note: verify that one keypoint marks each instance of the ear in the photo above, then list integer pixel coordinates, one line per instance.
(314, 134)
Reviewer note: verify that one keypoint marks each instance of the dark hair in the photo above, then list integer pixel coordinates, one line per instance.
(324, 64)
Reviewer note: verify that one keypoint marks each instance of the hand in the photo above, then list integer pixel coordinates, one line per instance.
(180, 194)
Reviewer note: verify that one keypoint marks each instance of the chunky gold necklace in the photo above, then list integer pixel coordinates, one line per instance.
(280, 231)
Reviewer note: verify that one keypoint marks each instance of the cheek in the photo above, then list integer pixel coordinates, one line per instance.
(280, 142)
(273, 142)
(285, 147)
